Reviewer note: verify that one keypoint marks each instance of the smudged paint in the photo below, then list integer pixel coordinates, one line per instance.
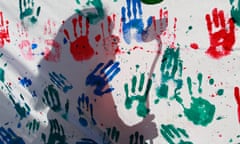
(27, 10)
(106, 75)
(93, 18)
(172, 134)
(4, 34)
(237, 98)
(80, 47)
(224, 38)
(142, 109)
(152, 2)
(235, 11)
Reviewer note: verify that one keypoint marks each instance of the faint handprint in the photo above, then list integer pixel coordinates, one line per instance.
(136, 138)
(140, 96)
(84, 108)
(4, 34)
(7, 136)
(174, 135)
(223, 39)
(101, 78)
(56, 135)
(27, 9)
(132, 19)
(80, 47)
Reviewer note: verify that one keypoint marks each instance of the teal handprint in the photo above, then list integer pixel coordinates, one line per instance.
(27, 10)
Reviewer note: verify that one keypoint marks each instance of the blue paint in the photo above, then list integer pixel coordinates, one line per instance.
(65, 41)
(9, 137)
(85, 105)
(134, 22)
(34, 46)
(60, 81)
(25, 82)
(107, 73)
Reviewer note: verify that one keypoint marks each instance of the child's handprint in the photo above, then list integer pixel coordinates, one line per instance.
(221, 41)
(85, 106)
(56, 135)
(80, 47)
(113, 134)
(4, 34)
(174, 135)
(103, 77)
(33, 126)
(134, 21)
(235, 11)
(60, 81)
(53, 53)
(138, 96)
(136, 138)
(27, 10)
(9, 137)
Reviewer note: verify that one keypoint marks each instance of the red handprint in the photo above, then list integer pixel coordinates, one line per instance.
(49, 55)
(80, 48)
(221, 41)
(237, 97)
(110, 41)
(4, 34)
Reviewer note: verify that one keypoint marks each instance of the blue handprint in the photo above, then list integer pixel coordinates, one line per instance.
(134, 22)
(106, 74)
(84, 104)
(9, 137)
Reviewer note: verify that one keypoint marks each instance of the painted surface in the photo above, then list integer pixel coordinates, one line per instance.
(121, 72)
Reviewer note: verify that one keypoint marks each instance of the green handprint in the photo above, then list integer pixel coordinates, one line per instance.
(27, 9)
(174, 135)
(136, 138)
(235, 11)
(142, 109)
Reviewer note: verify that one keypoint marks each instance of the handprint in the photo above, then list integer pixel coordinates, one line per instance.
(221, 41)
(109, 40)
(136, 138)
(51, 98)
(235, 11)
(60, 81)
(4, 34)
(134, 15)
(142, 109)
(33, 126)
(53, 53)
(80, 47)
(105, 75)
(56, 135)
(171, 70)
(112, 133)
(86, 141)
(85, 106)
(92, 17)
(8, 136)
(237, 97)
(27, 10)
(201, 111)
(174, 135)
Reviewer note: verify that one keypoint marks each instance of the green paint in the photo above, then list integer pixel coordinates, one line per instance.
(93, 18)
(22, 111)
(51, 98)
(172, 134)
(231, 140)
(65, 115)
(189, 83)
(27, 9)
(219, 118)
(190, 27)
(1, 54)
(162, 91)
(235, 12)
(113, 133)
(200, 77)
(201, 111)
(33, 126)
(142, 109)
(151, 2)
(211, 81)
(78, 2)
(220, 92)
(2, 75)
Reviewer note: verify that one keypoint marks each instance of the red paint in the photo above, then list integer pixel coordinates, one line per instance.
(221, 41)
(237, 98)
(54, 53)
(80, 47)
(4, 34)
(194, 46)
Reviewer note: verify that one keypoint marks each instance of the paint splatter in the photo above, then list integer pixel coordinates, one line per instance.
(152, 2)
(194, 46)
(27, 8)
(4, 34)
(80, 47)
(142, 109)
(222, 41)
(106, 75)
(26, 82)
